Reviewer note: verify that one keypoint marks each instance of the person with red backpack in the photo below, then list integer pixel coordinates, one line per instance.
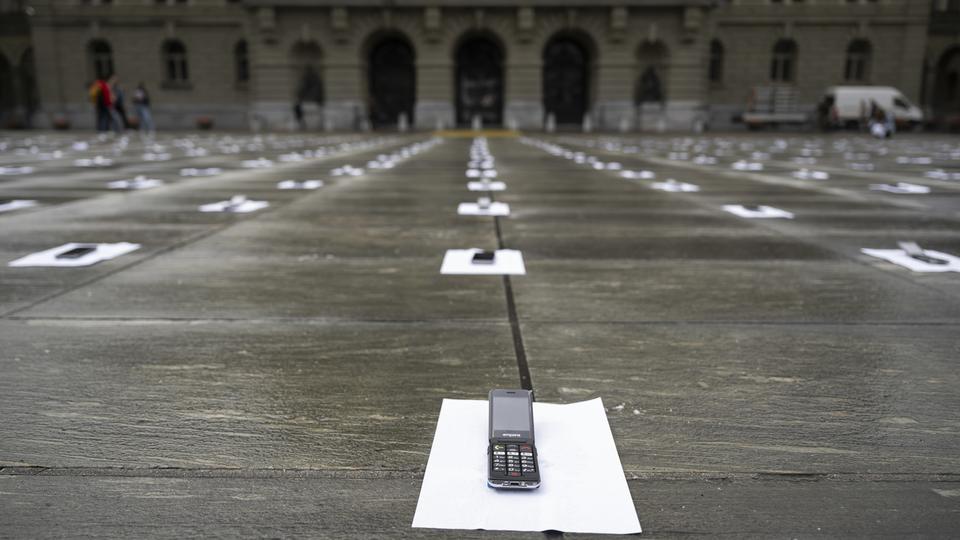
(99, 93)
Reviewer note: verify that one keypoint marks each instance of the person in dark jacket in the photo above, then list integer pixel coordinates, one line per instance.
(118, 104)
(141, 103)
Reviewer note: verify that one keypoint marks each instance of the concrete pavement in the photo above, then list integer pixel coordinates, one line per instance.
(280, 373)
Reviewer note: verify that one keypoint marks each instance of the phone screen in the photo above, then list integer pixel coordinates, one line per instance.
(511, 414)
(76, 252)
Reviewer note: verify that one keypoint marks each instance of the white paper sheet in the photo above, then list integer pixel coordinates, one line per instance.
(236, 205)
(16, 204)
(486, 186)
(900, 257)
(506, 261)
(583, 486)
(474, 209)
(747, 166)
(675, 187)
(762, 212)
(642, 175)
(209, 171)
(98, 161)
(295, 184)
(807, 174)
(259, 163)
(5, 171)
(901, 188)
(104, 252)
(138, 182)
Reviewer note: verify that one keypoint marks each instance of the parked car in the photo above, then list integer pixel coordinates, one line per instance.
(849, 106)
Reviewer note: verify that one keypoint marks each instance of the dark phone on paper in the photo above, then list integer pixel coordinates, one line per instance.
(77, 252)
(484, 257)
(511, 453)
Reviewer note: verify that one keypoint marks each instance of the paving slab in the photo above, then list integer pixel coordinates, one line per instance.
(280, 373)
(780, 398)
(243, 394)
(364, 508)
(794, 291)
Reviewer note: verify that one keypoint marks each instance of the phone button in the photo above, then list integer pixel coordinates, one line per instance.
(514, 474)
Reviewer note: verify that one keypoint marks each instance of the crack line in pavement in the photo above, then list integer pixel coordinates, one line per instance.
(409, 474)
(525, 380)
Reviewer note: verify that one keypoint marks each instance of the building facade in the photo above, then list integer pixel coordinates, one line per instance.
(616, 65)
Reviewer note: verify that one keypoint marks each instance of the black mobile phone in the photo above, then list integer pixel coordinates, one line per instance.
(484, 257)
(928, 259)
(77, 252)
(511, 453)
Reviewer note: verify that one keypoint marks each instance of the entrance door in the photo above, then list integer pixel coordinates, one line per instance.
(392, 81)
(565, 80)
(479, 83)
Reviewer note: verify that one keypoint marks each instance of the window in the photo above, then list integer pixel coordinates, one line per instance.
(101, 58)
(783, 61)
(715, 68)
(241, 62)
(857, 66)
(901, 102)
(175, 62)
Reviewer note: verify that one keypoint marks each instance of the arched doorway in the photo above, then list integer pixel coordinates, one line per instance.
(28, 86)
(306, 61)
(566, 80)
(946, 89)
(392, 81)
(479, 83)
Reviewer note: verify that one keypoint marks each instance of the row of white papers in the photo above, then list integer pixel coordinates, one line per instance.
(458, 261)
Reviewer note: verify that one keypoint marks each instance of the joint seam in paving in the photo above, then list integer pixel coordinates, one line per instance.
(526, 382)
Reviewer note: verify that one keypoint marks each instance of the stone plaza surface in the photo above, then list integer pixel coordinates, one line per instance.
(279, 373)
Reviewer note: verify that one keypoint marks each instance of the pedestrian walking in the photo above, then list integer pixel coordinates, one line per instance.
(141, 103)
(118, 103)
(114, 117)
(100, 93)
(298, 116)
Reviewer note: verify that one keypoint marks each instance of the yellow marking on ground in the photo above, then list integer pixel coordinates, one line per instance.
(489, 133)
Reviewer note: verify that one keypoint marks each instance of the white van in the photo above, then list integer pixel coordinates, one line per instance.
(849, 106)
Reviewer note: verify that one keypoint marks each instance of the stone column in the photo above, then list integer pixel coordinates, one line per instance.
(523, 96)
(434, 92)
(614, 91)
(686, 86)
(343, 108)
(271, 79)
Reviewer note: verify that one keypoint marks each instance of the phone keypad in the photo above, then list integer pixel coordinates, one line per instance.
(514, 460)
